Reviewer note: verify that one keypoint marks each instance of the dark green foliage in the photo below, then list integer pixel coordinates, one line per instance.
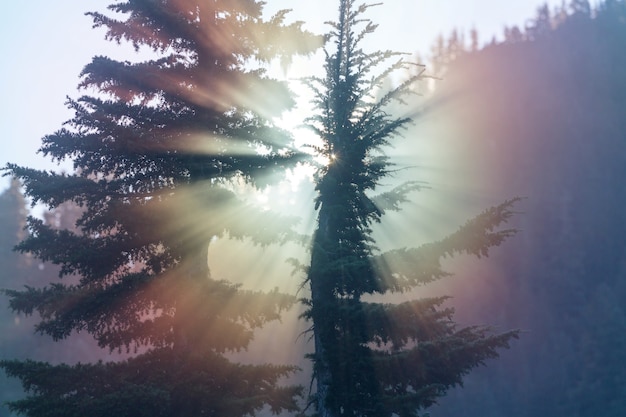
(158, 383)
(379, 359)
(474, 238)
(157, 149)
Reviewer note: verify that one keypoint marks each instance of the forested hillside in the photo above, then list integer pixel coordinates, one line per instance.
(19, 339)
(12, 218)
(543, 115)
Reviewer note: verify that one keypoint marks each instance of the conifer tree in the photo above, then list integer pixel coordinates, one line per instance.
(379, 359)
(157, 146)
(12, 218)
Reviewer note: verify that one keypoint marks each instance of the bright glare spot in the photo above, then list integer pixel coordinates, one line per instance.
(262, 197)
(295, 176)
(322, 160)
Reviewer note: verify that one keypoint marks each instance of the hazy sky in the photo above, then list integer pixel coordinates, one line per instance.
(45, 44)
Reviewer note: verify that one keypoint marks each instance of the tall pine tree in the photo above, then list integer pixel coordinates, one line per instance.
(379, 359)
(157, 146)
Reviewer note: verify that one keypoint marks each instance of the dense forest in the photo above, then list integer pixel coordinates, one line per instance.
(540, 114)
(18, 337)
(165, 154)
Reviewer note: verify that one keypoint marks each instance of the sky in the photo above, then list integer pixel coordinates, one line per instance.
(46, 44)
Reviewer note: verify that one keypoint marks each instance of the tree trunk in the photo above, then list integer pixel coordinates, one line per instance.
(322, 296)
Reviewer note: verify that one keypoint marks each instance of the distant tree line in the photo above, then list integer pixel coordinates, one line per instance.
(162, 149)
(544, 110)
(447, 48)
(18, 336)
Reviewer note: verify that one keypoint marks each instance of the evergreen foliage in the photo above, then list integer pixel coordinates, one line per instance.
(12, 219)
(374, 359)
(18, 340)
(548, 113)
(157, 147)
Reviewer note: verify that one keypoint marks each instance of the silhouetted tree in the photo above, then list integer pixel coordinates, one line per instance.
(541, 25)
(158, 146)
(439, 57)
(513, 35)
(456, 44)
(13, 213)
(474, 44)
(379, 359)
(580, 7)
